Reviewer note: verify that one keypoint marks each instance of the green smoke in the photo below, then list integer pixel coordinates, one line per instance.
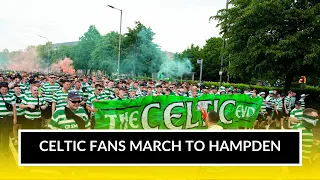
(175, 68)
(145, 57)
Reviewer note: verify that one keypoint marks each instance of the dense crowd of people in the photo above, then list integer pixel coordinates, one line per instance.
(35, 101)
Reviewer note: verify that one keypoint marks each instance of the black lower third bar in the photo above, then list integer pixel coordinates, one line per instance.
(160, 148)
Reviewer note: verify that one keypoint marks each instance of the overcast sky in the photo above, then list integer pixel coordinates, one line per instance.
(177, 23)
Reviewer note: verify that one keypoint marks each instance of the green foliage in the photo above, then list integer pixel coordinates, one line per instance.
(315, 91)
(210, 53)
(211, 59)
(45, 53)
(104, 56)
(140, 54)
(87, 44)
(61, 53)
(272, 37)
(193, 53)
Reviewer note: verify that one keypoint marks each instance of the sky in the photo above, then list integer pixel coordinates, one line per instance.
(176, 23)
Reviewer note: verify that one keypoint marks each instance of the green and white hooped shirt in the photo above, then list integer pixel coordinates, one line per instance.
(60, 121)
(33, 101)
(9, 99)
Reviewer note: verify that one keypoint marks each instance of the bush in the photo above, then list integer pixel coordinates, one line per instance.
(312, 101)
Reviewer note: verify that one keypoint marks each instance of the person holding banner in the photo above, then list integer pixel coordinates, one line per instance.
(193, 94)
(149, 91)
(109, 90)
(158, 91)
(60, 97)
(121, 95)
(132, 93)
(96, 97)
(261, 117)
(72, 116)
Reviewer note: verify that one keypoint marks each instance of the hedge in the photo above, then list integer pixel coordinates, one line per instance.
(306, 90)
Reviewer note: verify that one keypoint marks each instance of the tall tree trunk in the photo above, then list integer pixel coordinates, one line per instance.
(287, 83)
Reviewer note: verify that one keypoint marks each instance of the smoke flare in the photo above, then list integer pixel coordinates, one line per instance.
(64, 66)
(27, 60)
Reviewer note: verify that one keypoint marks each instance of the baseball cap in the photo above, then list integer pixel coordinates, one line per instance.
(4, 84)
(298, 103)
(303, 95)
(270, 92)
(74, 95)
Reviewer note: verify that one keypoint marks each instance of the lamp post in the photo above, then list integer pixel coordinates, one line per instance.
(119, 53)
(48, 50)
(200, 61)
(223, 49)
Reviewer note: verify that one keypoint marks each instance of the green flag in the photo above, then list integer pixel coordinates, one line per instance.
(176, 112)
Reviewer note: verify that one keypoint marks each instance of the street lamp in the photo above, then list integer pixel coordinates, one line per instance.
(119, 38)
(48, 50)
(223, 49)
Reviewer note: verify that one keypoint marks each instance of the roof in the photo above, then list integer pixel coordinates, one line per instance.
(73, 43)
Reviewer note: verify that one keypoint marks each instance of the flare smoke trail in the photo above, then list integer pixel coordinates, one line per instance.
(27, 60)
(175, 68)
(64, 66)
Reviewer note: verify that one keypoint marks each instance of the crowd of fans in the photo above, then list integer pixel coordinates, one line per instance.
(35, 101)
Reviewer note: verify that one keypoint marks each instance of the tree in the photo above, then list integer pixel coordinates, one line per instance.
(141, 55)
(275, 37)
(87, 44)
(105, 55)
(46, 58)
(192, 53)
(62, 52)
(211, 59)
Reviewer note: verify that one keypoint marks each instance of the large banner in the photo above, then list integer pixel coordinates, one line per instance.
(176, 112)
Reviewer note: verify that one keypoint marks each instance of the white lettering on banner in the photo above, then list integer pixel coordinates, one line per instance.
(244, 111)
(167, 116)
(189, 124)
(123, 120)
(145, 113)
(222, 109)
(205, 104)
(252, 110)
(131, 119)
(112, 121)
(215, 105)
